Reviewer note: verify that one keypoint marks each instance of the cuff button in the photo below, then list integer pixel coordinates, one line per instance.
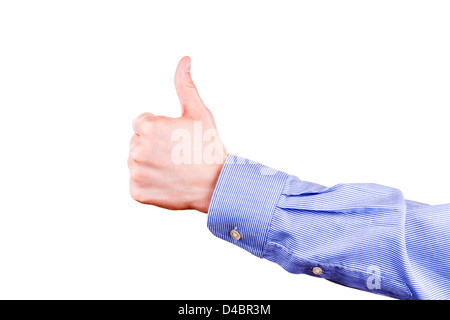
(235, 234)
(317, 271)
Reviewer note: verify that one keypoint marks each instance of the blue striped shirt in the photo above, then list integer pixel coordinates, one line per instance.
(365, 236)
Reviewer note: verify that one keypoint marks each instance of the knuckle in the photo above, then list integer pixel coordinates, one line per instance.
(137, 175)
(146, 114)
(147, 125)
(142, 116)
(140, 120)
(190, 84)
(134, 139)
(136, 194)
(130, 163)
(137, 153)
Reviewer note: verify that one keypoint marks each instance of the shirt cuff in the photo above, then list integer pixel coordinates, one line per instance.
(243, 203)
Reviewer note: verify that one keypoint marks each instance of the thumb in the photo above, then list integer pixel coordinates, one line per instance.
(191, 103)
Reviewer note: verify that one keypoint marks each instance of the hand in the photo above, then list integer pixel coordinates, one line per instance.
(175, 162)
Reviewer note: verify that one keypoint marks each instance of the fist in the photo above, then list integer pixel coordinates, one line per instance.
(175, 162)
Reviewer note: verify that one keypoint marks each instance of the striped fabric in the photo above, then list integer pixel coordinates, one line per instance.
(364, 236)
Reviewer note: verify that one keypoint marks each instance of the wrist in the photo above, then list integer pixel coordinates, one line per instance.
(204, 189)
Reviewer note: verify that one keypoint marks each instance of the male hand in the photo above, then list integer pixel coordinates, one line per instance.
(175, 162)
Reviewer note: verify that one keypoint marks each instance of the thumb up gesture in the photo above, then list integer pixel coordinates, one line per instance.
(175, 162)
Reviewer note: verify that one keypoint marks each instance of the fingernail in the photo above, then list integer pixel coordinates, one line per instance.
(188, 65)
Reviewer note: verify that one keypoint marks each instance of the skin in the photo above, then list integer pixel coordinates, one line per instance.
(155, 178)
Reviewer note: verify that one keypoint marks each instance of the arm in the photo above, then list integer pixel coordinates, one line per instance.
(365, 236)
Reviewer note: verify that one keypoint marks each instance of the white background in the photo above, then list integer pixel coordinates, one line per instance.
(331, 91)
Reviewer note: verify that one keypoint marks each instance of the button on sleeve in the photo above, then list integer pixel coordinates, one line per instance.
(243, 202)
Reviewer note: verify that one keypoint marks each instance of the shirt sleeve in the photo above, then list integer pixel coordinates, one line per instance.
(364, 236)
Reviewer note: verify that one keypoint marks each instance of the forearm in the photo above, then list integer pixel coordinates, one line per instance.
(364, 236)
